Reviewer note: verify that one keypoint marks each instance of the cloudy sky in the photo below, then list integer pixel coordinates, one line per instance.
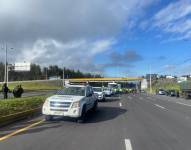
(111, 37)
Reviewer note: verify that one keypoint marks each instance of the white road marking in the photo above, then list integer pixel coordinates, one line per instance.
(160, 106)
(183, 104)
(120, 104)
(128, 144)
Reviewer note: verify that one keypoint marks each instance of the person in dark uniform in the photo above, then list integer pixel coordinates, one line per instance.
(18, 91)
(5, 90)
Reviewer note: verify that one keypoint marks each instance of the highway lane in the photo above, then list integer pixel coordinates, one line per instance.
(154, 125)
(138, 122)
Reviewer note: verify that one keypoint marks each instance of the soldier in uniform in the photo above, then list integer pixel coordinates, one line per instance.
(5, 90)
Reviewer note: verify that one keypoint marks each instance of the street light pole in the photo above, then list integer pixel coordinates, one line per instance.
(5, 77)
(63, 78)
(150, 81)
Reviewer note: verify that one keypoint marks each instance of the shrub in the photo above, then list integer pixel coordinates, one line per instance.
(12, 106)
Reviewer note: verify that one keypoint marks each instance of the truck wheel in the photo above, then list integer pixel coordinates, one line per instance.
(83, 116)
(48, 118)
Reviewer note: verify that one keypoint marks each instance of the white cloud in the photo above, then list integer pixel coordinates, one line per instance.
(66, 32)
(77, 54)
(175, 19)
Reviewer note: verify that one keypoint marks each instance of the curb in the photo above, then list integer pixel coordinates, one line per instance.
(5, 120)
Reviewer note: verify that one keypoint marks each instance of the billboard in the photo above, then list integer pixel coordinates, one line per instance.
(20, 66)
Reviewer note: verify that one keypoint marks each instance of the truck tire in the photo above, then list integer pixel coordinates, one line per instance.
(82, 118)
(48, 118)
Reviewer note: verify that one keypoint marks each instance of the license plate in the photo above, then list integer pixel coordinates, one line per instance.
(57, 113)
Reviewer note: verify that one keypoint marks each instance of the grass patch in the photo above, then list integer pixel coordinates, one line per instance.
(168, 86)
(37, 85)
(11, 106)
(165, 86)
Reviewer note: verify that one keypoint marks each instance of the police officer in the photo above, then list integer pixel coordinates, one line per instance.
(5, 90)
(18, 91)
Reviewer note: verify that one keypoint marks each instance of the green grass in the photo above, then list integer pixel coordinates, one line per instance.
(165, 86)
(11, 106)
(35, 85)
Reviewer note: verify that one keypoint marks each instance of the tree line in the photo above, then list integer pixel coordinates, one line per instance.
(42, 73)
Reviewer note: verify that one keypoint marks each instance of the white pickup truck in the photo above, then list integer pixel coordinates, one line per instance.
(72, 101)
(98, 91)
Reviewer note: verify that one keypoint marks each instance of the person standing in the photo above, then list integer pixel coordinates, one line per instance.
(18, 91)
(5, 90)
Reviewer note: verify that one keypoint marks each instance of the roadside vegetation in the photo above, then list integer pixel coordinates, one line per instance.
(12, 106)
(165, 85)
(37, 85)
(38, 72)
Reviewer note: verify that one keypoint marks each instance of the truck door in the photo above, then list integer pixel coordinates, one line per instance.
(88, 97)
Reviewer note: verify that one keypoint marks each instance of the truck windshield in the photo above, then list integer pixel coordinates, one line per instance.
(97, 89)
(78, 91)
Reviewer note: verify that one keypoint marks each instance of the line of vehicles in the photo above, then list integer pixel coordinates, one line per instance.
(184, 90)
(172, 93)
(75, 101)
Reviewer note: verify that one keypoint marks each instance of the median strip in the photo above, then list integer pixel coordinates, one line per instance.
(21, 130)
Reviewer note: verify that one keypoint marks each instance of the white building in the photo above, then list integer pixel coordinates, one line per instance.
(181, 79)
(144, 84)
(170, 77)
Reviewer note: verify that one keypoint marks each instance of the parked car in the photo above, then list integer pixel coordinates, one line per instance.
(107, 92)
(98, 91)
(72, 101)
(171, 93)
(161, 92)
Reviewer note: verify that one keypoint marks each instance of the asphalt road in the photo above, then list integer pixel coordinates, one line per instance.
(138, 122)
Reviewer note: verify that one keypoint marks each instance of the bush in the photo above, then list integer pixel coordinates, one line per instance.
(12, 106)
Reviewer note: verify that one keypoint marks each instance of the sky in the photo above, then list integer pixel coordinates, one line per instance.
(115, 38)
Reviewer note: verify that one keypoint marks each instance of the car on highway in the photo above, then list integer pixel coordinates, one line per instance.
(73, 101)
(98, 91)
(171, 93)
(161, 92)
(107, 91)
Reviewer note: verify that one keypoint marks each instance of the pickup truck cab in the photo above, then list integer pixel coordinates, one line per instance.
(98, 91)
(72, 101)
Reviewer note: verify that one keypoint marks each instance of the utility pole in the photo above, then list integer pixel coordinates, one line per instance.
(63, 78)
(150, 81)
(5, 77)
(46, 73)
(8, 67)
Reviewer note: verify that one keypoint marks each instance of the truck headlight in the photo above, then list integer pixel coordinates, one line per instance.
(76, 104)
(46, 103)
